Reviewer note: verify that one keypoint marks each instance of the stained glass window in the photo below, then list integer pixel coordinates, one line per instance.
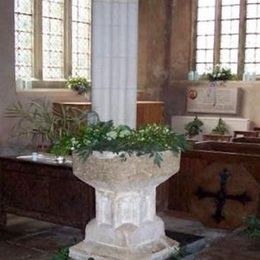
(252, 51)
(23, 39)
(81, 32)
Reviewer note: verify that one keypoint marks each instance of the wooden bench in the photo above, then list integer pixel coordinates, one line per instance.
(254, 140)
(246, 134)
(217, 137)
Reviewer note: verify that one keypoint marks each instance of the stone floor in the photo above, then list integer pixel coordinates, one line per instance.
(236, 247)
(25, 238)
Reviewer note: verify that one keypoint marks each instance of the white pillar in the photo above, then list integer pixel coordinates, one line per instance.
(114, 60)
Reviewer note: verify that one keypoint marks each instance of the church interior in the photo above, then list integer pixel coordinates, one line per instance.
(161, 100)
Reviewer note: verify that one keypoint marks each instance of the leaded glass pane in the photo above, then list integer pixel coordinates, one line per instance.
(53, 39)
(23, 39)
(205, 35)
(203, 3)
(81, 33)
(230, 2)
(229, 34)
(252, 57)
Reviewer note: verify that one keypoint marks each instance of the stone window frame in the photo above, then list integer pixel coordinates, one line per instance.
(37, 80)
(217, 36)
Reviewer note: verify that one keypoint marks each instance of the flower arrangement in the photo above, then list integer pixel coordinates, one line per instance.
(221, 128)
(218, 73)
(78, 84)
(193, 128)
(105, 136)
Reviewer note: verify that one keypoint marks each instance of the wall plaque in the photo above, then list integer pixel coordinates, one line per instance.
(219, 100)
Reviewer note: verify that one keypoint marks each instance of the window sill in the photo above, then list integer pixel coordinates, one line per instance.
(231, 83)
(53, 94)
(40, 84)
(45, 90)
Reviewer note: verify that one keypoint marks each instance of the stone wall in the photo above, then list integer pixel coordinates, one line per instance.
(154, 46)
(164, 58)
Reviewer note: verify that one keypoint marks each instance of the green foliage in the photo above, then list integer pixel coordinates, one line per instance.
(193, 128)
(221, 128)
(79, 84)
(63, 254)
(218, 73)
(253, 227)
(39, 120)
(179, 254)
(104, 136)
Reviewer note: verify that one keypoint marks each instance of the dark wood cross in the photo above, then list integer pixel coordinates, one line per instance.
(221, 196)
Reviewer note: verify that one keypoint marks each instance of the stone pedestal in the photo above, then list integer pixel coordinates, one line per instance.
(126, 226)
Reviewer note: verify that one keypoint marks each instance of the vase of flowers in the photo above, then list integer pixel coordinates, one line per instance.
(193, 128)
(218, 74)
(81, 85)
(219, 133)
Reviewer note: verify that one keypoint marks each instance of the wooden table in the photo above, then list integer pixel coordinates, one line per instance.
(147, 111)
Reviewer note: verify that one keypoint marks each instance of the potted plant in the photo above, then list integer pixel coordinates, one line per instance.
(219, 133)
(78, 84)
(193, 128)
(44, 124)
(125, 166)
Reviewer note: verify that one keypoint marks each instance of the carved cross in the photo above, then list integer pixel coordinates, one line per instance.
(221, 196)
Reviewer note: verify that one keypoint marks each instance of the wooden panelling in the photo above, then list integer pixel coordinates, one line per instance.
(147, 111)
(45, 191)
(193, 163)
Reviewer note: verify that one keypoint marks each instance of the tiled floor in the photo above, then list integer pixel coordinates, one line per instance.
(25, 238)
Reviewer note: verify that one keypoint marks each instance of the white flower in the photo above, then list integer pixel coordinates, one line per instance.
(124, 133)
(111, 135)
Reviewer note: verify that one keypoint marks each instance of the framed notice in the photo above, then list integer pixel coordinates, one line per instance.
(217, 100)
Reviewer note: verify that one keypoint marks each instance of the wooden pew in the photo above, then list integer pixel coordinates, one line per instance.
(254, 140)
(194, 163)
(217, 137)
(246, 134)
